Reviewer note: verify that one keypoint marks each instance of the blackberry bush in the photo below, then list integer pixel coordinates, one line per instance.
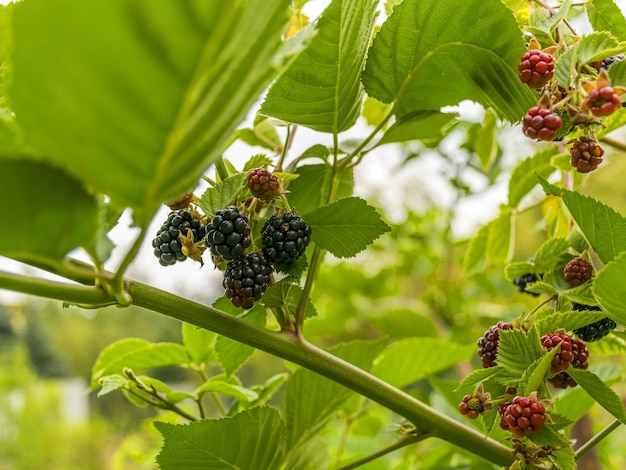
(246, 279)
(577, 272)
(585, 154)
(263, 184)
(168, 243)
(524, 416)
(541, 123)
(488, 343)
(284, 238)
(228, 234)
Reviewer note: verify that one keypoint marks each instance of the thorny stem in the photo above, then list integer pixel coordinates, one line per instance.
(591, 443)
(405, 441)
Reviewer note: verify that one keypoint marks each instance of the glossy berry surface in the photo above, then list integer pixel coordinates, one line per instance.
(523, 281)
(596, 330)
(603, 101)
(284, 237)
(580, 361)
(246, 279)
(263, 184)
(541, 123)
(228, 234)
(488, 343)
(536, 68)
(524, 416)
(564, 356)
(577, 272)
(167, 244)
(585, 154)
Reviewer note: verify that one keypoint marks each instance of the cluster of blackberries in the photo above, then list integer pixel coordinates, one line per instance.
(227, 236)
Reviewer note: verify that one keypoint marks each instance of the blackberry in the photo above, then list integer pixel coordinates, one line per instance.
(284, 237)
(596, 330)
(564, 356)
(541, 123)
(607, 62)
(581, 356)
(536, 68)
(168, 243)
(524, 416)
(488, 343)
(522, 281)
(586, 154)
(470, 407)
(602, 101)
(577, 272)
(228, 234)
(246, 279)
(263, 184)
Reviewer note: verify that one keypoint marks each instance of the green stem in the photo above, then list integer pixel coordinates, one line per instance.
(218, 403)
(407, 441)
(286, 346)
(614, 143)
(357, 151)
(71, 293)
(306, 290)
(118, 281)
(591, 443)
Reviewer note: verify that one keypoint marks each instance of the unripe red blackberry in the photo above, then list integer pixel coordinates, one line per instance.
(522, 281)
(577, 272)
(263, 184)
(470, 407)
(488, 343)
(564, 356)
(541, 123)
(536, 68)
(585, 154)
(602, 101)
(168, 245)
(284, 237)
(228, 234)
(246, 279)
(524, 416)
(580, 361)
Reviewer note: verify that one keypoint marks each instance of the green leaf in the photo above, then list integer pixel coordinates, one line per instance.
(603, 227)
(397, 364)
(569, 320)
(534, 377)
(421, 48)
(605, 15)
(284, 294)
(500, 239)
(222, 194)
(618, 118)
(56, 214)
(138, 355)
(232, 390)
(404, 323)
(322, 88)
(486, 144)
(475, 259)
(311, 400)
(598, 46)
(199, 343)
(524, 179)
(346, 226)
(566, 66)
(141, 89)
(477, 376)
(233, 354)
(517, 351)
(311, 189)
(421, 125)
(518, 269)
(110, 383)
(609, 289)
(265, 391)
(250, 439)
(549, 252)
(259, 160)
(263, 134)
(312, 454)
(600, 392)
(581, 294)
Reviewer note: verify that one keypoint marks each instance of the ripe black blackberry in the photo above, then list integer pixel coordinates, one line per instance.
(596, 330)
(284, 238)
(228, 234)
(522, 281)
(168, 244)
(606, 63)
(246, 279)
(488, 343)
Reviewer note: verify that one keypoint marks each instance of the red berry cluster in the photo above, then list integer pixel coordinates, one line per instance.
(263, 184)
(488, 343)
(602, 101)
(470, 407)
(564, 356)
(586, 154)
(540, 123)
(580, 361)
(523, 416)
(536, 68)
(577, 272)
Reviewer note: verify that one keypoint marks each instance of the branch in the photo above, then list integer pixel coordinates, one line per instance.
(286, 346)
(591, 443)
